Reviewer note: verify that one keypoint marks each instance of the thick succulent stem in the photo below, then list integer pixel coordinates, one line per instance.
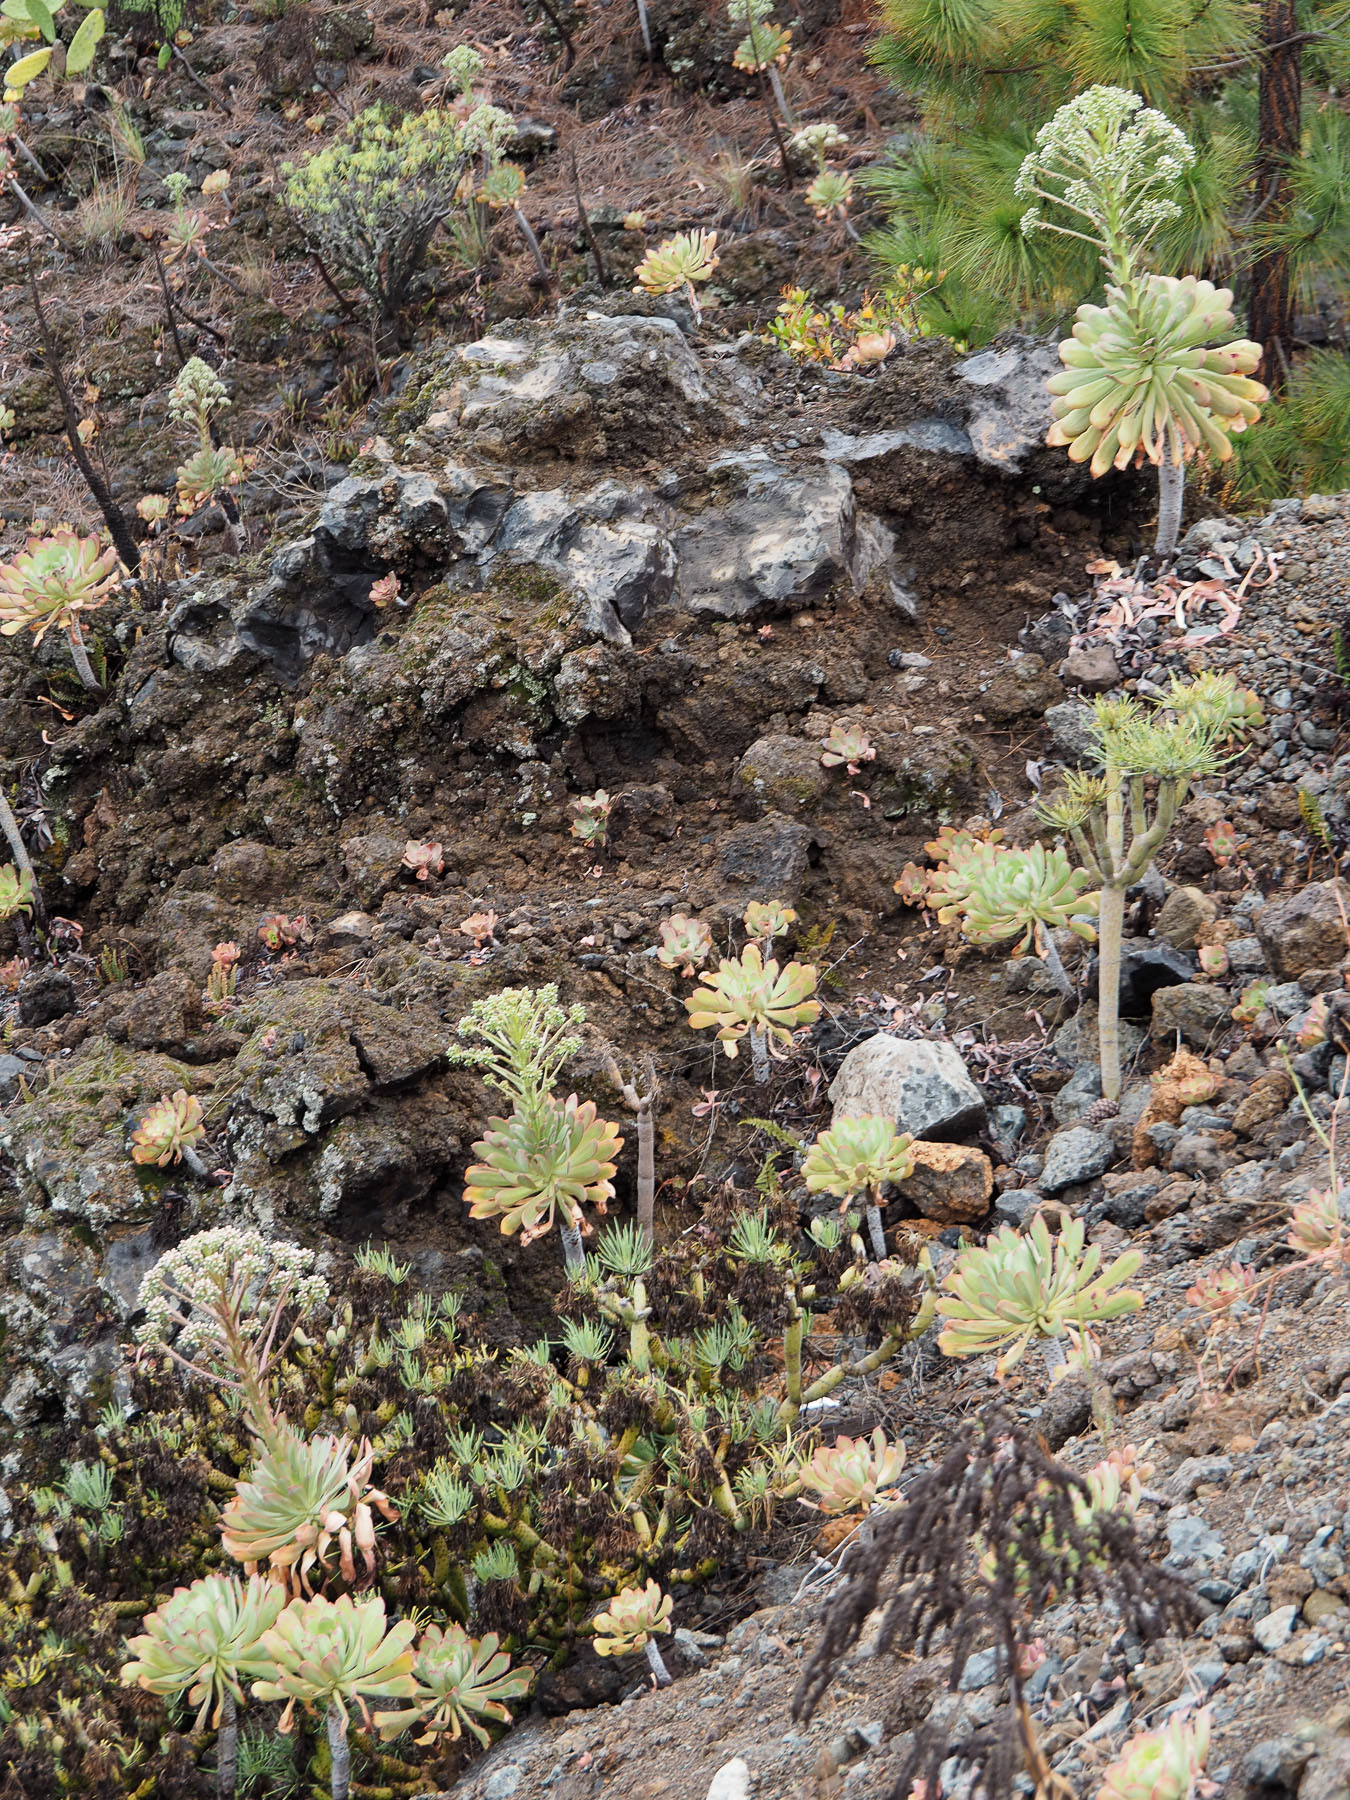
(340, 1752)
(776, 83)
(526, 230)
(759, 1054)
(80, 657)
(1052, 1348)
(656, 1664)
(875, 1231)
(1171, 487)
(574, 1257)
(1110, 928)
(646, 29)
(195, 1163)
(227, 1750)
(646, 1168)
(13, 836)
(1054, 963)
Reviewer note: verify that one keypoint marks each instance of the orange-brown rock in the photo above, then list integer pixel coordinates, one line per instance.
(951, 1183)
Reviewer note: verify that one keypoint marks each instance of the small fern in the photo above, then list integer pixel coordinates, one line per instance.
(1310, 811)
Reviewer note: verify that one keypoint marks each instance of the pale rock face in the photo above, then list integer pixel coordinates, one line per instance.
(924, 1087)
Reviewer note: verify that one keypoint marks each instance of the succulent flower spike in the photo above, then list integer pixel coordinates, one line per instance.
(168, 1130)
(18, 891)
(686, 944)
(305, 1496)
(848, 1478)
(749, 995)
(855, 1159)
(817, 140)
(848, 745)
(553, 1159)
(631, 1621)
(1014, 1288)
(677, 263)
(50, 583)
(1161, 1765)
(203, 1640)
(460, 1682)
(325, 1654)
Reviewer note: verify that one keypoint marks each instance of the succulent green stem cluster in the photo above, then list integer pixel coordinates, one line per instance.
(1162, 749)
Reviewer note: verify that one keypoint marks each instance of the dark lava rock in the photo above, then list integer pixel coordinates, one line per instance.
(45, 995)
(769, 858)
(1142, 972)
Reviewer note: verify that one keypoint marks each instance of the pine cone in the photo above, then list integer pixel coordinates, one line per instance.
(1099, 1112)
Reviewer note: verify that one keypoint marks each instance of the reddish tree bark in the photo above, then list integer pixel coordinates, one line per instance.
(1271, 318)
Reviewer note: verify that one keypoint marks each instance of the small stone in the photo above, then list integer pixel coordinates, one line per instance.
(1303, 932)
(732, 1781)
(1079, 1092)
(1183, 913)
(980, 1670)
(1074, 1156)
(1094, 669)
(951, 1183)
(767, 860)
(1198, 1011)
(1070, 727)
(1192, 1540)
(1023, 689)
(1276, 1629)
(45, 995)
(925, 1087)
(784, 774)
(1321, 1604)
(12, 1068)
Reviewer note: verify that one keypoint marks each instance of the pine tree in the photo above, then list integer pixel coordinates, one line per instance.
(1266, 205)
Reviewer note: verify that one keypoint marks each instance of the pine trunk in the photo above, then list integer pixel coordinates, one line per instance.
(1271, 313)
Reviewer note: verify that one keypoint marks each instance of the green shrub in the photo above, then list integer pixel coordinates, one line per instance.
(372, 201)
(1302, 445)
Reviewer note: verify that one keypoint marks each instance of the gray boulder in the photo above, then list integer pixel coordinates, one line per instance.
(786, 540)
(923, 1086)
(1073, 1156)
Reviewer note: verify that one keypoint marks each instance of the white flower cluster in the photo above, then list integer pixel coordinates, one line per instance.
(196, 394)
(221, 1278)
(463, 65)
(525, 1039)
(1112, 162)
(748, 12)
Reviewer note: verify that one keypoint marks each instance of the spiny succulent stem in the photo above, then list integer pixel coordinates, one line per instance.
(875, 1231)
(1052, 1349)
(227, 1750)
(759, 1055)
(341, 1753)
(1171, 487)
(657, 1665)
(574, 1257)
(80, 657)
